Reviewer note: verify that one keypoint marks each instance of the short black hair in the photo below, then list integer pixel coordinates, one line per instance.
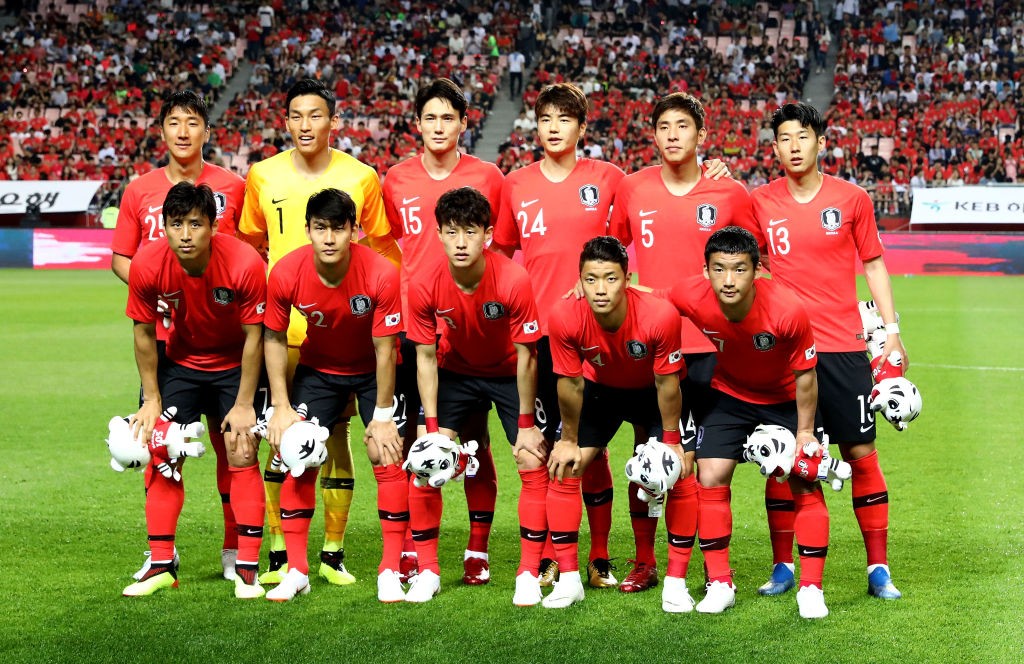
(333, 206)
(679, 101)
(185, 99)
(607, 249)
(564, 98)
(463, 207)
(805, 114)
(442, 88)
(732, 240)
(185, 197)
(312, 86)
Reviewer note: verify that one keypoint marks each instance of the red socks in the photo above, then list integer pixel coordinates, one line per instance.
(714, 523)
(298, 502)
(481, 496)
(778, 504)
(425, 508)
(597, 496)
(644, 527)
(164, 499)
(393, 511)
(533, 522)
(811, 524)
(565, 512)
(224, 488)
(871, 506)
(681, 524)
(249, 504)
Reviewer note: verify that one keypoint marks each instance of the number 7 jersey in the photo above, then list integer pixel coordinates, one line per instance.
(551, 221)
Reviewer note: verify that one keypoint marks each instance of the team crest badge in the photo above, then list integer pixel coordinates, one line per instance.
(493, 310)
(222, 203)
(360, 304)
(707, 215)
(636, 349)
(590, 195)
(831, 219)
(223, 295)
(764, 341)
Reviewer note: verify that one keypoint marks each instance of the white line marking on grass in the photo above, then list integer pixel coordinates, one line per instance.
(966, 368)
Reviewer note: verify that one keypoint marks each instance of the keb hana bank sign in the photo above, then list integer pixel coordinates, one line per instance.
(992, 208)
(51, 196)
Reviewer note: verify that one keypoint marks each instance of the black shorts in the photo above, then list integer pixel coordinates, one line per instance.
(549, 419)
(327, 396)
(606, 408)
(731, 420)
(844, 384)
(459, 395)
(194, 392)
(697, 393)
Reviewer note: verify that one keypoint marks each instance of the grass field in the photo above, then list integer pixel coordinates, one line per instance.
(72, 530)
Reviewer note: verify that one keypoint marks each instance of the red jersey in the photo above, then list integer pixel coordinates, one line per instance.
(410, 196)
(814, 249)
(140, 218)
(757, 356)
(341, 321)
(670, 231)
(647, 342)
(480, 327)
(208, 311)
(551, 221)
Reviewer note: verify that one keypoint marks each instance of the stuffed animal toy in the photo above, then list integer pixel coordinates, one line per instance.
(435, 460)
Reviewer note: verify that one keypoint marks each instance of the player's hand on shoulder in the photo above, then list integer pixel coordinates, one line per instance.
(565, 460)
(716, 169)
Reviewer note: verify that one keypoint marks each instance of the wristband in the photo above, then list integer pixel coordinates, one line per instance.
(526, 421)
(671, 437)
(431, 425)
(383, 414)
(892, 328)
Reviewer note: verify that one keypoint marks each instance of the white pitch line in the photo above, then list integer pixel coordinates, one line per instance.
(966, 368)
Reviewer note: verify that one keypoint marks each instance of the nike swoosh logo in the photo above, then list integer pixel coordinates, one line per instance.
(253, 531)
(534, 537)
(406, 201)
(157, 208)
(306, 306)
(170, 294)
(709, 331)
(394, 517)
(811, 552)
(775, 222)
(865, 429)
(873, 499)
(646, 213)
(589, 349)
(689, 439)
(559, 538)
(526, 204)
(275, 201)
(443, 311)
(600, 500)
(677, 541)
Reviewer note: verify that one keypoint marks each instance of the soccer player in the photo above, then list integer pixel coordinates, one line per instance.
(277, 190)
(618, 359)
(486, 354)
(549, 210)
(411, 191)
(349, 297)
(667, 212)
(817, 228)
(764, 374)
(184, 121)
(215, 289)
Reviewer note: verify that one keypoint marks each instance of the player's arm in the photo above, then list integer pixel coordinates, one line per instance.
(877, 277)
(375, 224)
(529, 440)
(119, 265)
(252, 224)
(426, 382)
(275, 355)
(382, 439)
(716, 169)
(240, 420)
(146, 359)
(566, 457)
(806, 405)
(670, 404)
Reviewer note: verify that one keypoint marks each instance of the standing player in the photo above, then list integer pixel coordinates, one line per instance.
(277, 190)
(486, 354)
(817, 228)
(668, 211)
(215, 289)
(411, 191)
(184, 121)
(618, 359)
(349, 297)
(764, 375)
(549, 210)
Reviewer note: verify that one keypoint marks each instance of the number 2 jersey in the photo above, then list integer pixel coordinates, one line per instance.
(814, 249)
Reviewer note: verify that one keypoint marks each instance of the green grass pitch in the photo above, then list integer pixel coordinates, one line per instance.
(72, 530)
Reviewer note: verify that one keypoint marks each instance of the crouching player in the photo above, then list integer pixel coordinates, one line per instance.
(216, 291)
(617, 355)
(349, 297)
(486, 354)
(764, 375)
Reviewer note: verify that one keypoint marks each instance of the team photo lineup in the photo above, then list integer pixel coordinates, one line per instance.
(722, 324)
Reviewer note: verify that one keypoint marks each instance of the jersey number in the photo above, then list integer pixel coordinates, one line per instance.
(779, 240)
(411, 221)
(535, 228)
(155, 226)
(646, 233)
(280, 220)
